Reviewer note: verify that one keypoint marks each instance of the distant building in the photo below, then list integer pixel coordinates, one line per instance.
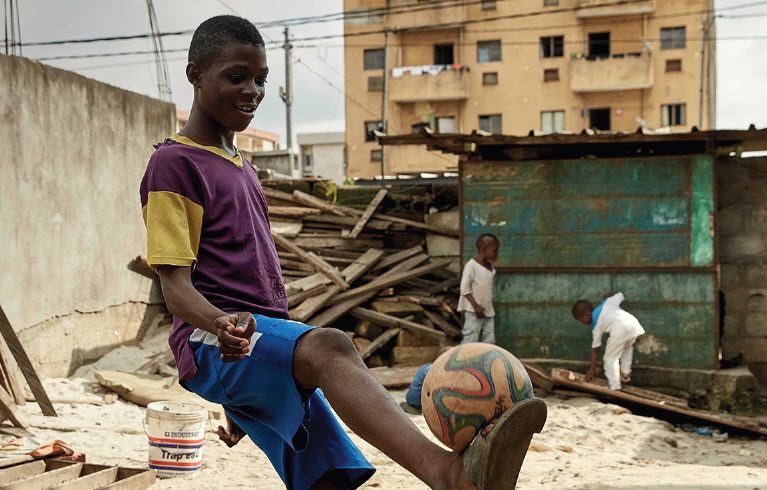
(250, 141)
(324, 155)
(509, 67)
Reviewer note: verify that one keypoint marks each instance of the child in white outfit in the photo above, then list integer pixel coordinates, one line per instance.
(476, 301)
(623, 329)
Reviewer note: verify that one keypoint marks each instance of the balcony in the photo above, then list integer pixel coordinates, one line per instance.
(621, 72)
(586, 8)
(428, 83)
(409, 14)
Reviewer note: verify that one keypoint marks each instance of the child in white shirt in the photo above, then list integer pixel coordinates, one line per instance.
(623, 328)
(476, 301)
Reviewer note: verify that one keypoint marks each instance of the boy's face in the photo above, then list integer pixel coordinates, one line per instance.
(584, 317)
(231, 87)
(489, 251)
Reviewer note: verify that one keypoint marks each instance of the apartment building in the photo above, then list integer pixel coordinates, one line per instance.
(515, 66)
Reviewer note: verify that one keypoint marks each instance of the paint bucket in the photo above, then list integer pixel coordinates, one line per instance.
(176, 432)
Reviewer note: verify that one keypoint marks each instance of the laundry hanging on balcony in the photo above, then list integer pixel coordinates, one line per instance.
(427, 69)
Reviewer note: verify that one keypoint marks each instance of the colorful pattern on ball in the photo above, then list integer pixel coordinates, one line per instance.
(480, 367)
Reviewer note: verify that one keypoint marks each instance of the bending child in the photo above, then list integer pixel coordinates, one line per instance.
(623, 329)
(476, 301)
(208, 237)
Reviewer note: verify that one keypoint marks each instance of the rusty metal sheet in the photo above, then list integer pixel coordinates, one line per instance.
(637, 212)
(676, 309)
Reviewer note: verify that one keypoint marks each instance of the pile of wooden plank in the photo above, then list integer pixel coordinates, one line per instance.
(366, 273)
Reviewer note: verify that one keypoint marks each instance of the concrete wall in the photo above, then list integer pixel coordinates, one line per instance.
(329, 161)
(282, 162)
(743, 256)
(70, 218)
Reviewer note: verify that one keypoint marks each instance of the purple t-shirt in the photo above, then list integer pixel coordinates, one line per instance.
(205, 209)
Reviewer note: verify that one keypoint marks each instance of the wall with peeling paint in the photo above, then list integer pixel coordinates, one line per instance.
(574, 229)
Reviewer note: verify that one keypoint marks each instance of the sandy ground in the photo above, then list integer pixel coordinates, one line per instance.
(586, 444)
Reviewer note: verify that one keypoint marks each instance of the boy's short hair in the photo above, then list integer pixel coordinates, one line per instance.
(581, 306)
(484, 237)
(216, 33)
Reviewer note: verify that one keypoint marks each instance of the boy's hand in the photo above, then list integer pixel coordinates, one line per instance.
(479, 311)
(589, 375)
(234, 332)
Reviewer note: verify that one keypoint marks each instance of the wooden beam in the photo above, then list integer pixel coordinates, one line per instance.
(275, 194)
(319, 265)
(351, 273)
(443, 324)
(569, 379)
(539, 379)
(12, 373)
(25, 365)
(333, 242)
(47, 479)
(311, 201)
(391, 321)
(379, 342)
(12, 411)
(385, 282)
(368, 213)
(337, 311)
(298, 298)
(291, 211)
(398, 257)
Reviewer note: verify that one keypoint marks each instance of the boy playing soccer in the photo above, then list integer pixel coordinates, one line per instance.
(476, 301)
(208, 237)
(623, 328)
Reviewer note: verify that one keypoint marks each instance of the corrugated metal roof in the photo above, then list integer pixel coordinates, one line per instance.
(751, 139)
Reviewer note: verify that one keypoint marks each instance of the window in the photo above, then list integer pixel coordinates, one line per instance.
(490, 78)
(371, 126)
(446, 124)
(374, 59)
(599, 119)
(673, 65)
(488, 51)
(376, 155)
(550, 3)
(488, 4)
(672, 38)
(552, 121)
(599, 45)
(308, 161)
(490, 123)
(673, 115)
(552, 46)
(443, 54)
(551, 75)
(375, 84)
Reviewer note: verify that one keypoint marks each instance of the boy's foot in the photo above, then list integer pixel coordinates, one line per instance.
(625, 378)
(408, 408)
(232, 435)
(493, 462)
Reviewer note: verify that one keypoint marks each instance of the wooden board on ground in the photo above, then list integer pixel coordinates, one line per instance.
(379, 342)
(443, 324)
(25, 365)
(309, 200)
(632, 390)
(539, 379)
(568, 379)
(395, 377)
(70, 475)
(390, 321)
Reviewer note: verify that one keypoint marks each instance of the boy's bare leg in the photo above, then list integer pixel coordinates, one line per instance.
(327, 359)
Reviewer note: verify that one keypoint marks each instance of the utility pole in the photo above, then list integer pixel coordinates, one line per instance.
(161, 63)
(704, 30)
(384, 125)
(286, 93)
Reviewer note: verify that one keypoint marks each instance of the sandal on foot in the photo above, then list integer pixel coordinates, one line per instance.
(493, 462)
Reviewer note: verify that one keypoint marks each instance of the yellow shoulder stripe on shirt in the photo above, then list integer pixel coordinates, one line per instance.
(173, 227)
(237, 160)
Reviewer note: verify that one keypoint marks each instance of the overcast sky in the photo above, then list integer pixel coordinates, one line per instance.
(742, 63)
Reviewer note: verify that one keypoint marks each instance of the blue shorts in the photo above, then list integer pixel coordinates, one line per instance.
(297, 432)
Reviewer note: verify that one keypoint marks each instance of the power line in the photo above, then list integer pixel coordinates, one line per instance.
(434, 5)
